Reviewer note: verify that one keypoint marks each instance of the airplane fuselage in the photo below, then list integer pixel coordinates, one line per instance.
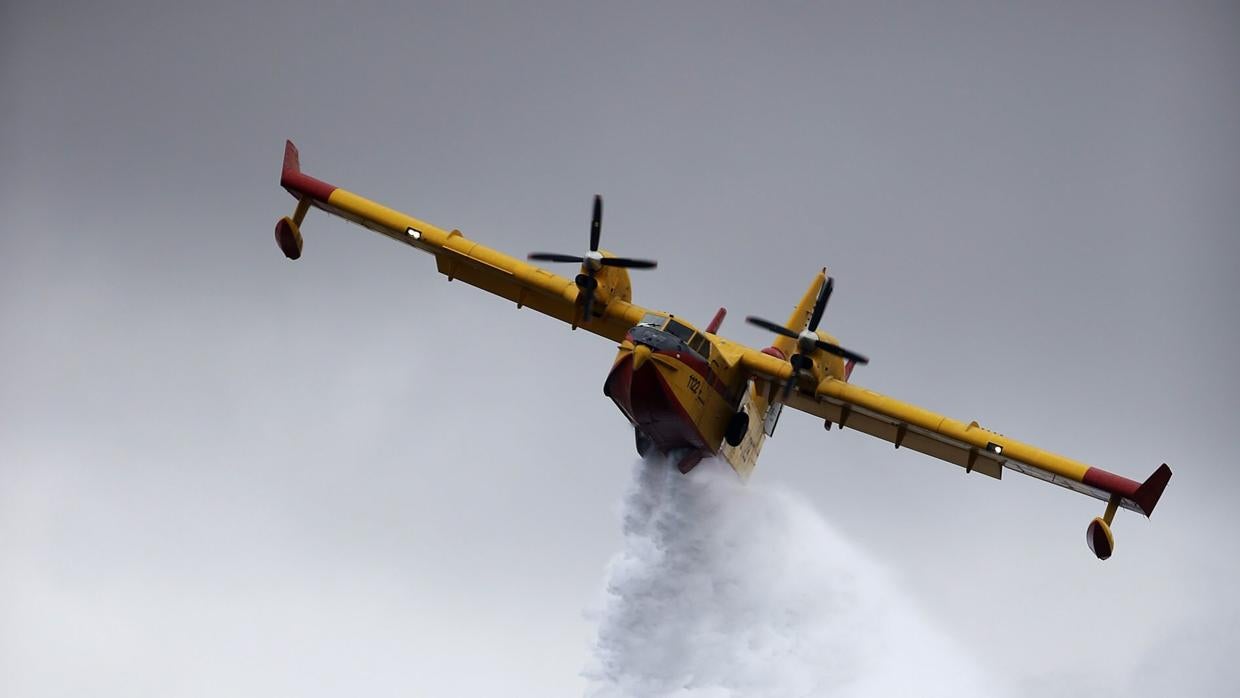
(676, 389)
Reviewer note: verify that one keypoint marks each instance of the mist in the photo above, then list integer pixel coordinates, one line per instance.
(724, 589)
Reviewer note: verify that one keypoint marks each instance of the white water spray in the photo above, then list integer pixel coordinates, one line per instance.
(731, 590)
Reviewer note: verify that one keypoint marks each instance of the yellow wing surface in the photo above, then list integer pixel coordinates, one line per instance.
(967, 445)
(460, 258)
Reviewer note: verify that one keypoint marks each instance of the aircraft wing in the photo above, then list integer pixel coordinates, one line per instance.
(969, 446)
(456, 256)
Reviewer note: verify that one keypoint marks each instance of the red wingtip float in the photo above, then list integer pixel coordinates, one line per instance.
(693, 394)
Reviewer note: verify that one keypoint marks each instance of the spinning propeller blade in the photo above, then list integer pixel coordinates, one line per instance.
(592, 262)
(771, 326)
(809, 340)
(555, 257)
(841, 352)
(820, 305)
(628, 263)
(596, 222)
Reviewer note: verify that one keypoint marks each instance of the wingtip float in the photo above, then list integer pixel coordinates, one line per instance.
(694, 394)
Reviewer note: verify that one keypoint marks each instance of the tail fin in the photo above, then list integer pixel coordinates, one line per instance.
(799, 319)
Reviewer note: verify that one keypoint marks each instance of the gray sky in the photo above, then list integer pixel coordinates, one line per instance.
(225, 473)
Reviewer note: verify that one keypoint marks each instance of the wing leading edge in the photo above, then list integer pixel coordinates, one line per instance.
(967, 445)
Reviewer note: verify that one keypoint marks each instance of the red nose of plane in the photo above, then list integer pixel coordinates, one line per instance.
(639, 389)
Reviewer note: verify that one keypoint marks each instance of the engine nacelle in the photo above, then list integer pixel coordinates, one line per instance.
(1099, 538)
(288, 237)
(614, 282)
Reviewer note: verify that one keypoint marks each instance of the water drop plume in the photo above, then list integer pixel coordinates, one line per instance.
(726, 589)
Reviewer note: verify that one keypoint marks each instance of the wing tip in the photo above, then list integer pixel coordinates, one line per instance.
(1150, 491)
(299, 184)
(292, 159)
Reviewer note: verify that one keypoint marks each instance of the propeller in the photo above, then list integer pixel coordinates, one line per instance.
(593, 262)
(808, 340)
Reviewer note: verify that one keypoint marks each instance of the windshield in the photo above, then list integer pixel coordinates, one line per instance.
(679, 331)
(651, 331)
(652, 320)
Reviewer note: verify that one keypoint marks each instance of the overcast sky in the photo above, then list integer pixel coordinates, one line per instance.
(224, 473)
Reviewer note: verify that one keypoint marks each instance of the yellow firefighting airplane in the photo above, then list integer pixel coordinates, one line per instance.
(691, 393)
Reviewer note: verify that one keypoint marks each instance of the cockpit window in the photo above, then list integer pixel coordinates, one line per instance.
(652, 320)
(701, 345)
(680, 331)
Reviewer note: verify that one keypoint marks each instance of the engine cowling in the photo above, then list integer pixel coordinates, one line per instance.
(614, 282)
